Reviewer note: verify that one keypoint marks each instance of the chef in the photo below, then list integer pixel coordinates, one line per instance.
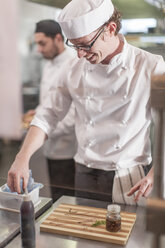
(110, 87)
(61, 146)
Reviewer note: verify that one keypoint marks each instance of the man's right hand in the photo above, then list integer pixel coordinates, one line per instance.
(34, 139)
(18, 170)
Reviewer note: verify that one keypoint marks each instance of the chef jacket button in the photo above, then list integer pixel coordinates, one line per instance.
(117, 166)
(124, 122)
(91, 123)
(90, 144)
(125, 96)
(117, 147)
(124, 67)
(88, 97)
(88, 165)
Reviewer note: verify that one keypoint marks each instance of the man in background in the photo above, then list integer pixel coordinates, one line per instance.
(61, 145)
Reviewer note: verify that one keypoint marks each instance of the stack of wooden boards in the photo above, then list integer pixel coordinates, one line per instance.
(77, 221)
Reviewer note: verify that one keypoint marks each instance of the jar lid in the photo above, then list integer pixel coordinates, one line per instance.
(114, 208)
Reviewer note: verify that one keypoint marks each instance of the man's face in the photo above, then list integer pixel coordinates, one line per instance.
(96, 54)
(102, 47)
(47, 46)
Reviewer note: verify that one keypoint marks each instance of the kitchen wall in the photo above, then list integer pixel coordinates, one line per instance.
(31, 61)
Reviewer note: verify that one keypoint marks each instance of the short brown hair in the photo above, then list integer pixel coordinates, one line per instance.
(116, 17)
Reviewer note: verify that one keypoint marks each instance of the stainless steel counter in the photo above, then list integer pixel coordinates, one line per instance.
(10, 222)
(138, 237)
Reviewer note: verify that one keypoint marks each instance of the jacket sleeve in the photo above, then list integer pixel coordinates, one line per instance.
(54, 107)
(66, 126)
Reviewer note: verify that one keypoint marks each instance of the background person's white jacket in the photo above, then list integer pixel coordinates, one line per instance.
(62, 142)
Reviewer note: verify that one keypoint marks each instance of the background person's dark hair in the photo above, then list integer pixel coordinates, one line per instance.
(116, 17)
(49, 27)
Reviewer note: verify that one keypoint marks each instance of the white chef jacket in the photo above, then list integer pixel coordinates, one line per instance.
(62, 142)
(113, 112)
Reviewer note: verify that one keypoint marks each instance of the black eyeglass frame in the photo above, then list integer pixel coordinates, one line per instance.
(86, 47)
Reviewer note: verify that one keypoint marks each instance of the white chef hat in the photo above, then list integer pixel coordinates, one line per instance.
(81, 17)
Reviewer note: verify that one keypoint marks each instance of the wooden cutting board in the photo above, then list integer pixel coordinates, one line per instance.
(76, 220)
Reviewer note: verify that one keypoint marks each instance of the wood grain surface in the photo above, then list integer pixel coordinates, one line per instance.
(76, 220)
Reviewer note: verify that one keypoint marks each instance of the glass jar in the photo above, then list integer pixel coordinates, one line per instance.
(113, 218)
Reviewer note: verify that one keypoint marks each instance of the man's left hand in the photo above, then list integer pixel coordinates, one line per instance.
(144, 186)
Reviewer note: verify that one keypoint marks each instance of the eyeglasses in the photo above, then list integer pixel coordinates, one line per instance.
(85, 47)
